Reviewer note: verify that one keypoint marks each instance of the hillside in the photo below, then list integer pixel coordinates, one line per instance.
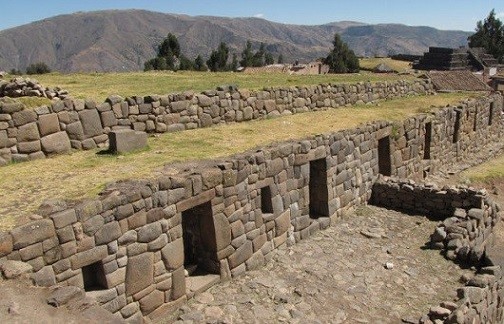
(122, 40)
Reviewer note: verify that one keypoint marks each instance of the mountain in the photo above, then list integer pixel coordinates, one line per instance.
(122, 40)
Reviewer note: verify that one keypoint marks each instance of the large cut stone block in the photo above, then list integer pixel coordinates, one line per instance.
(88, 257)
(28, 132)
(56, 143)
(126, 140)
(48, 124)
(282, 223)
(91, 122)
(24, 117)
(139, 273)
(173, 254)
(242, 254)
(33, 232)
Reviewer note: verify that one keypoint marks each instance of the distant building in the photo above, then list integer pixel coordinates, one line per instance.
(311, 68)
(457, 59)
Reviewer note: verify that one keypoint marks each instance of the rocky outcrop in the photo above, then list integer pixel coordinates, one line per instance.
(26, 87)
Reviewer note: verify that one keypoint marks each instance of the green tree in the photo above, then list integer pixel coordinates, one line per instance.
(234, 63)
(341, 59)
(268, 58)
(199, 64)
(218, 58)
(169, 47)
(38, 68)
(280, 59)
(185, 64)
(247, 55)
(489, 35)
(258, 59)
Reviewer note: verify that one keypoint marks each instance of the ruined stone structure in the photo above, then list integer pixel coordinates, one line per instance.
(466, 235)
(28, 134)
(454, 59)
(144, 247)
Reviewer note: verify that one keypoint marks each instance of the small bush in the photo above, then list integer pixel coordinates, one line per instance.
(38, 68)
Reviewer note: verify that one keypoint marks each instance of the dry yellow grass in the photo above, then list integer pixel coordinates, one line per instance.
(24, 186)
(486, 172)
(98, 86)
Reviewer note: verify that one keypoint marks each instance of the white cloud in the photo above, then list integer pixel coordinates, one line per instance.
(500, 15)
(259, 15)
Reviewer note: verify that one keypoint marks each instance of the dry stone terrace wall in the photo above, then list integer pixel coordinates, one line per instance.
(465, 234)
(28, 134)
(142, 248)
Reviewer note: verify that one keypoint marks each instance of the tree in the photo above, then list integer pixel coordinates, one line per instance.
(268, 59)
(247, 55)
(167, 56)
(185, 64)
(341, 59)
(234, 63)
(258, 59)
(489, 35)
(218, 58)
(38, 68)
(169, 47)
(280, 59)
(199, 64)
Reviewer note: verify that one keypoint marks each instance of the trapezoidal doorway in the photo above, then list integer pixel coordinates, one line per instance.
(384, 161)
(200, 248)
(319, 195)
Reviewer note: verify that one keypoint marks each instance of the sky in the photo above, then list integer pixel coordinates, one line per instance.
(441, 14)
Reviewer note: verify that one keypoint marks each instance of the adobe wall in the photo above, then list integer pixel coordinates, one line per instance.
(465, 234)
(28, 134)
(139, 240)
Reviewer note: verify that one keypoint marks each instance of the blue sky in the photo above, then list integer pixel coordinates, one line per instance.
(442, 14)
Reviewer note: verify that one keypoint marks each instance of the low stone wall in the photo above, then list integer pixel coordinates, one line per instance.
(465, 234)
(144, 247)
(28, 134)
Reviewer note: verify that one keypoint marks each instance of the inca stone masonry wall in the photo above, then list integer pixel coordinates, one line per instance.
(146, 246)
(465, 234)
(27, 134)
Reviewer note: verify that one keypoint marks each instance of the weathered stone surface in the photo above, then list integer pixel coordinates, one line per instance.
(6, 244)
(126, 140)
(33, 232)
(173, 254)
(139, 273)
(48, 124)
(178, 284)
(64, 218)
(222, 231)
(243, 253)
(56, 143)
(62, 295)
(44, 277)
(13, 269)
(28, 133)
(149, 232)
(152, 301)
(282, 223)
(91, 123)
(108, 233)
(24, 117)
(88, 257)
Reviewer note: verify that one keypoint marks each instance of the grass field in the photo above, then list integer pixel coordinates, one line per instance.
(99, 86)
(486, 172)
(84, 173)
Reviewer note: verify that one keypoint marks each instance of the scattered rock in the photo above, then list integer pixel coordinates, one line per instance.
(13, 269)
(389, 266)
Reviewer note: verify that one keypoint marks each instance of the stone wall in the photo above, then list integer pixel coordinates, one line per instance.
(143, 247)
(465, 234)
(28, 134)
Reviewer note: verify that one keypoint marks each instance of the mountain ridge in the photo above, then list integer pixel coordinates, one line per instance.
(122, 40)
